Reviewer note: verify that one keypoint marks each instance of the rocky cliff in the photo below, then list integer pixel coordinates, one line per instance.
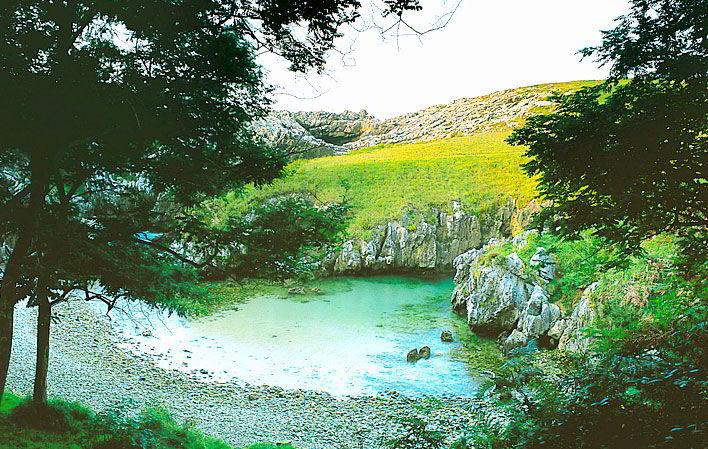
(502, 296)
(281, 129)
(420, 241)
(323, 133)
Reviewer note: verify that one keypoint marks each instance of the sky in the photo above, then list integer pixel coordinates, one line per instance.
(487, 46)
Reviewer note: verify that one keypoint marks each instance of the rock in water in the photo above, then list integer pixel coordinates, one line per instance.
(424, 352)
(446, 336)
(413, 356)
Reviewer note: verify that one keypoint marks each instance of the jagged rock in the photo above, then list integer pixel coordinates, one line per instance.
(499, 295)
(296, 291)
(568, 332)
(539, 315)
(335, 128)
(279, 128)
(446, 336)
(460, 117)
(417, 242)
(491, 296)
(424, 352)
(413, 356)
(516, 339)
(320, 133)
(544, 263)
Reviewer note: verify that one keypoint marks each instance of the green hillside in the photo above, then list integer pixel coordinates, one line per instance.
(481, 170)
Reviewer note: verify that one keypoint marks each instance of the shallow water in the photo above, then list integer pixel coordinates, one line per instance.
(352, 339)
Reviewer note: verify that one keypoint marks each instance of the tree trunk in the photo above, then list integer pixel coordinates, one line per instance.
(42, 366)
(9, 294)
(6, 327)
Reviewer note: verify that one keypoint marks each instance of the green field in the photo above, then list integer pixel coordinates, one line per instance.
(379, 182)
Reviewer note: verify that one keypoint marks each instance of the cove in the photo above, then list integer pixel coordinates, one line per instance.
(351, 339)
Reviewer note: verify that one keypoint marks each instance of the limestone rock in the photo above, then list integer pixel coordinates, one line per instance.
(460, 117)
(279, 128)
(424, 352)
(413, 356)
(570, 333)
(500, 295)
(516, 339)
(335, 128)
(414, 243)
(544, 263)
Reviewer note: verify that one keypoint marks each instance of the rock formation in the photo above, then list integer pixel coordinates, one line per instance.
(319, 133)
(336, 128)
(500, 295)
(415, 243)
(568, 332)
(281, 129)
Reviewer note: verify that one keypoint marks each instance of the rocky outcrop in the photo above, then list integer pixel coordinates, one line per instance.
(568, 332)
(320, 133)
(419, 242)
(280, 129)
(502, 296)
(460, 117)
(336, 128)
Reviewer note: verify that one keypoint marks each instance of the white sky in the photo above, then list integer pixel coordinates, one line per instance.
(488, 46)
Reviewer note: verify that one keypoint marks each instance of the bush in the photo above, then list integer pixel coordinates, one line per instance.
(57, 416)
(417, 435)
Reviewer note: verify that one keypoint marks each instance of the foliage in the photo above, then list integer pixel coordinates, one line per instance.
(74, 427)
(283, 236)
(417, 435)
(608, 402)
(627, 159)
(118, 115)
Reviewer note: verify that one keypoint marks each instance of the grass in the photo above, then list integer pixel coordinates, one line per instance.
(73, 426)
(480, 170)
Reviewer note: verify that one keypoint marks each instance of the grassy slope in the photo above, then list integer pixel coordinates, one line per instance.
(380, 181)
(480, 170)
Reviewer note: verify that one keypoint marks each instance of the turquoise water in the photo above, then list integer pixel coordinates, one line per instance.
(351, 339)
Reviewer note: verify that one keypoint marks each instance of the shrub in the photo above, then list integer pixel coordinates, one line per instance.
(417, 435)
(57, 416)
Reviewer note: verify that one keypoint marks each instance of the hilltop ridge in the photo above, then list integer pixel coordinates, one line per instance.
(321, 133)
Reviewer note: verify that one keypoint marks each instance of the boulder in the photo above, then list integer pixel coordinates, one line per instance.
(570, 332)
(413, 356)
(516, 339)
(544, 263)
(500, 296)
(424, 352)
(490, 295)
(446, 336)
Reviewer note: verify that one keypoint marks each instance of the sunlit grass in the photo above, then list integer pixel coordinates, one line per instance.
(379, 182)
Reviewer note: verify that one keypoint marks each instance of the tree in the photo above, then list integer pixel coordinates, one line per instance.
(280, 237)
(118, 113)
(627, 158)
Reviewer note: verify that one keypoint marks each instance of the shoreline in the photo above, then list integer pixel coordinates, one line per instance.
(88, 365)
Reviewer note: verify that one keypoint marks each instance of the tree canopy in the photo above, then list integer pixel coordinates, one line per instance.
(117, 115)
(627, 158)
